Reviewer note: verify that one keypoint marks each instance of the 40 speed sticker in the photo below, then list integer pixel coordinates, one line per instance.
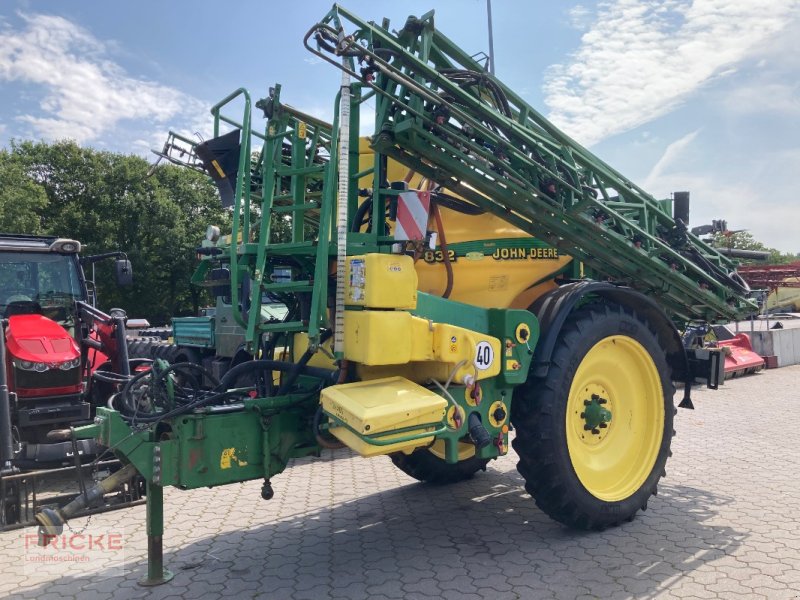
(484, 355)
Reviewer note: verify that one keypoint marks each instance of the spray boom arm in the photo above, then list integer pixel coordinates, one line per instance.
(439, 113)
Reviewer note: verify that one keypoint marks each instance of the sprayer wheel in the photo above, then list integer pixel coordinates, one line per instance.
(425, 466)
(593, 436)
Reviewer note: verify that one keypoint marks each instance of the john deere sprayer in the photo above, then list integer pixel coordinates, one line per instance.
(465, 271)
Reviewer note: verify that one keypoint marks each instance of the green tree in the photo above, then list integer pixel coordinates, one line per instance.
(112, 202)
(744, 240)
(22, 200)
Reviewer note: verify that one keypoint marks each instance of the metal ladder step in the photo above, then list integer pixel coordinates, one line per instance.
(288, 286)
(295, 208)
(291, 326)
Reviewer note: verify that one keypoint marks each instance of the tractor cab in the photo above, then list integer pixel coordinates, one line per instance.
(41, 276)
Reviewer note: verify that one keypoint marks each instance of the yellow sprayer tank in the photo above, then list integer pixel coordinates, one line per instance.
(494, 264)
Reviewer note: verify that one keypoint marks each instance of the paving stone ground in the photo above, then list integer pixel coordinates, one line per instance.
(725, 524)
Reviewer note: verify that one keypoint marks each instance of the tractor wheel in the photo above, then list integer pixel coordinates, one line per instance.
(424, 465)
(594, 435)
(175, 354)
(12, 505)
(142, 348)
(167, 352)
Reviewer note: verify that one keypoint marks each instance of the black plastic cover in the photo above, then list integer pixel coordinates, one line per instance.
(220, 158)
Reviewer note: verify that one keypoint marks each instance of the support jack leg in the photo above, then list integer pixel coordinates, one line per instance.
(156, 573)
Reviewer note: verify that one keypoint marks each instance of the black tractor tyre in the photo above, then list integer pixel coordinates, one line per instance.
(174, 354)
(189, 355)
(167, 352)
(142, 347)
(425, 466)
(539, 415)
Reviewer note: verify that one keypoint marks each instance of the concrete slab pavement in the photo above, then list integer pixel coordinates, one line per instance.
(725, 524)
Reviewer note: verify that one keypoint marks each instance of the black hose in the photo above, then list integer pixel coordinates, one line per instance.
(273, 365)
(301, 364)
(185, 400)
(183, 409)
(118, 378)
(467, 78)
(715, 272)
(129, 409)
(160, 374)
(361, 212)
(456, 204)
(328, 39)
(109, 377)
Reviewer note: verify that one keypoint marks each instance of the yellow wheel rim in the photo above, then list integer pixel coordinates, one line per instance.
(465, 451)
(613, 460)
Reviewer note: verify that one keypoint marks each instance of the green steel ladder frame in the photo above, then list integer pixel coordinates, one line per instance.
(289, 184)
(498, 161)
(263, 198)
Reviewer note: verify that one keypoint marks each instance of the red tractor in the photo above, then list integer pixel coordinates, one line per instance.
(58, 354)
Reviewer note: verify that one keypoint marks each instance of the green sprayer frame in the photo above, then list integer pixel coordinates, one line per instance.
(441, 114)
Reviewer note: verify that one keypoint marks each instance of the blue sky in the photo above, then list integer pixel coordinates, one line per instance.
(701, 95)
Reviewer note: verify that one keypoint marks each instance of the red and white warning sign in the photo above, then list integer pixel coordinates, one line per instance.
(413, 208)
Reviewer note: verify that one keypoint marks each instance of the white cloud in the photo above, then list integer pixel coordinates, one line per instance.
(87, 94)
(580, 17)
(773, 97)
(642, 58)
(671, 153)
(743, 206)
(757, 198)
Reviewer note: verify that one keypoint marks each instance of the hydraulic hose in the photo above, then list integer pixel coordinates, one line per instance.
(477, 432)
(300, 365)
(361, 212)
(275, 365)
(445, 256)
(321, 440)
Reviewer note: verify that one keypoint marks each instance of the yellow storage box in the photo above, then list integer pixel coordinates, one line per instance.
(377, 337)
(381, 281)
(383, 405)
(387, 337)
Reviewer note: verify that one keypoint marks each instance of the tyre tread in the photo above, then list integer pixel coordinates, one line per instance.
(533, 415)
(425, 466)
